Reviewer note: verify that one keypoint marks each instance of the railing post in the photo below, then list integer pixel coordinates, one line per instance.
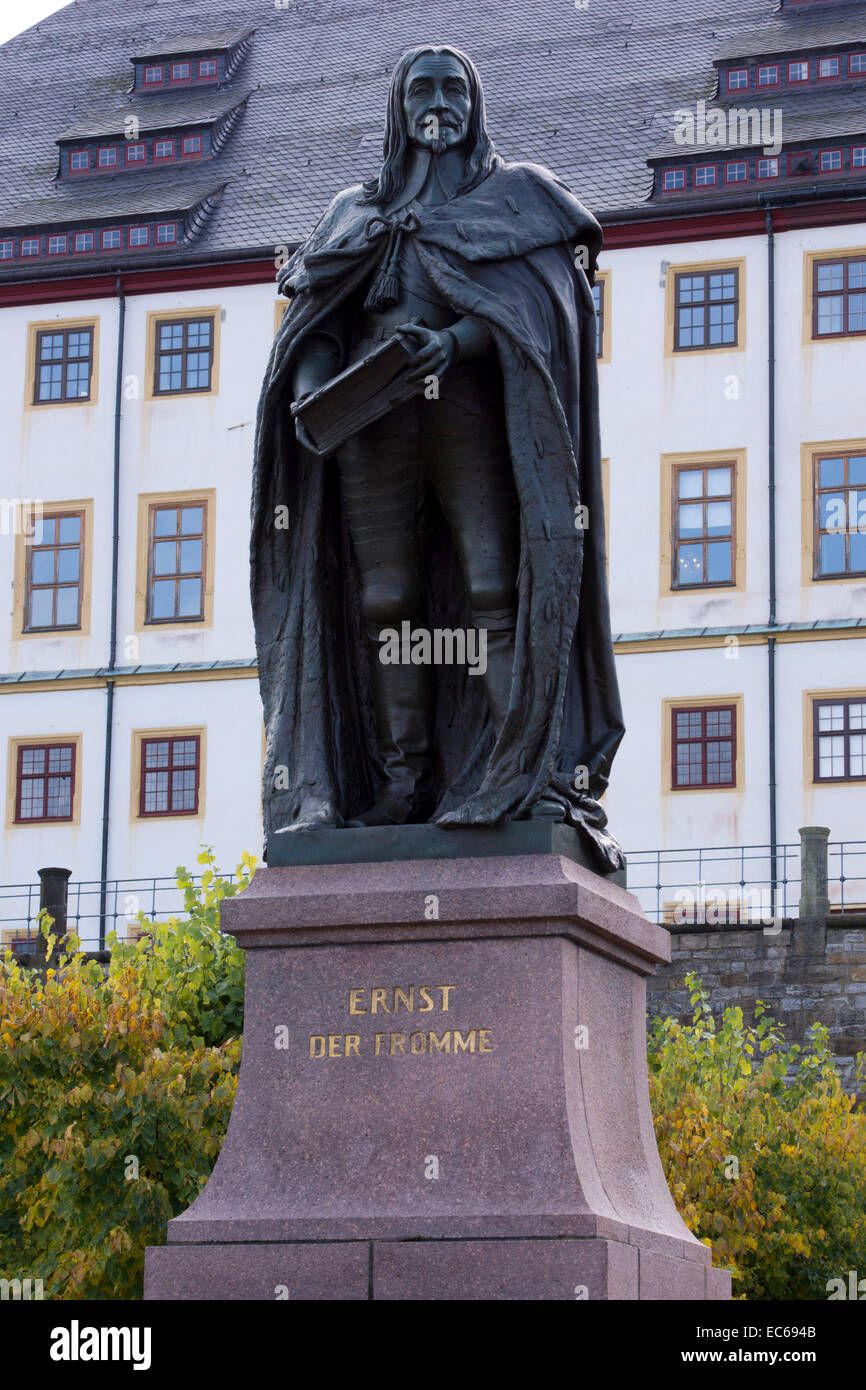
(53, 895)
(810, 931)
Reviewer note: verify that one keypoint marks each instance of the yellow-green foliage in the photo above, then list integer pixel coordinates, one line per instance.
(115, 1095)
(764, 1151)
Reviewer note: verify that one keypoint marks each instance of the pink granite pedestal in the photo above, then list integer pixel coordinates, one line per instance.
(443, 1095)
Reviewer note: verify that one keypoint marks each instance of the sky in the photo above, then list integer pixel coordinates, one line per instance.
(17, 15)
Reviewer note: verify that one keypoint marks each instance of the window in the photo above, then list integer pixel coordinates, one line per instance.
(207, 67)
(839, 482)
(768, 76)
(839, 297)
(57, 245)
(191, 144)
(674, 178)
(829, 160)
(53, 570)
(106, 158)
(45, 782)
(166, 233)
(153, 75)
(768, 168)
(136, 152)
(30, 246)
(828, 67)
(737, 171)
(78, 160)
(856, 63)
(705, 175)
(139, 236)
(598, 298)
(163, 149)
(170, 776)
(176, 563)
(738, 78)
(180, 72)
(839, 740)
(112, 240)
(858, 157)
(83, 241)
(7, 249)
(64, 363)
(706, 310)
(798, 72)
(703, 526)
(703, 746)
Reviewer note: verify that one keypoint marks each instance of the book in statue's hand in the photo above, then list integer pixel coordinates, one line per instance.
(361, 394)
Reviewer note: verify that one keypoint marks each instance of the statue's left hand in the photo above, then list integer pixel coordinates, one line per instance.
(434, 352)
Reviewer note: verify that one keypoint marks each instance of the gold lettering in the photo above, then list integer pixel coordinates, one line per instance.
(377, 1045)
(408, 999)
(317, 1045)
(418, 1043)
(398, 1040)
(377, 997)
(335, 1042)
(445, 990)
(355, 997)
(428, 1000)
(353, 1044)
(466, 1044)
(442, 1044)
(484, 1038)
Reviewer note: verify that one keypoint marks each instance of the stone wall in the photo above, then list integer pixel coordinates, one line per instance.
(741, 965)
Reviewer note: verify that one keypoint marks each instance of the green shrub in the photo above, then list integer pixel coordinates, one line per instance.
(763, 1150)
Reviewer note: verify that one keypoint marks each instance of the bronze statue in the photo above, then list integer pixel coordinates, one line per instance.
(474, 506)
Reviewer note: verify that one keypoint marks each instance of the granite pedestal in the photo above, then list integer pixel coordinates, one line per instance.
(443, 1092)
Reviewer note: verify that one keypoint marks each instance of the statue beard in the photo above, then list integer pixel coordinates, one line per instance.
(438, 145)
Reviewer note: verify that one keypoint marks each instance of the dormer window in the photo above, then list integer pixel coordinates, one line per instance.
(180, 72)
(139, 236)
(858, 157)
(828, 68)
(207, 67)
(856, 64)
(191, 144)
(768, 168)
(57, 245)
(705, 175)
(163, 149)
(83, 242)
(738, 78)
(153, 76)
(79, 160)
(736, 172)
(112, 240)
(830, 160)
(798, 72)
(166, 233)
(31, 246)
(136, 152)
(674, 178)
(7, 249)
(107, 157)
(768, 76)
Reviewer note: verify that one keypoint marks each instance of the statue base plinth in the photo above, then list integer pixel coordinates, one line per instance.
(443, 1094)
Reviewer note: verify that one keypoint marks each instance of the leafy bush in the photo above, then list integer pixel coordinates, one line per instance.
(763, 1150)
(115, 1095)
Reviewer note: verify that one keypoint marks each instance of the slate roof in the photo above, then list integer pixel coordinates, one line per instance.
(590, 93)
(187, 108)
(809, 118)
(128, 196)
(212, 41)
(794, 32)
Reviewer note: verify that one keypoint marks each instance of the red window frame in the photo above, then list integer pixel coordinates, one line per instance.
(29, 255)
(854, 72)
(136, 145)
(855, 149)
(83, 251)
(171, 740)
(673, 188)
(163, 158)
(797, 62)
(58, 236)
(208, 76)
(839, 170)
(732, 163)
(189, 154)
(703, 739)
(153, 81)
(86, 168)
(103, 149)
(180, 81)
(739, 88)
(710, 183)
(795, 158)
(828, 58)
(47, 748)
(107, 231)
(767, 159)
(10, 242)
(767, 67)
(161, 226)
(137, 245)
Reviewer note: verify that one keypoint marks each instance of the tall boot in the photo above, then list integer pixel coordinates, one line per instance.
(402, 699)
(500, 631)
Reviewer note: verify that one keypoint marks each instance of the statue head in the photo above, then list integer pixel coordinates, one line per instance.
(435, 103)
